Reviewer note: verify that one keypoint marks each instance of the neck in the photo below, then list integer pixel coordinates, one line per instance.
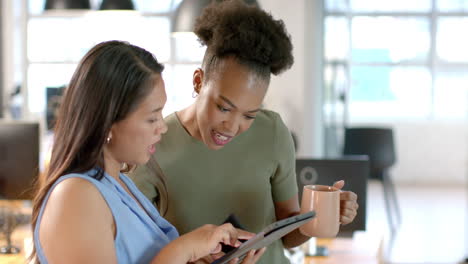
(188, 118)
(111, 166)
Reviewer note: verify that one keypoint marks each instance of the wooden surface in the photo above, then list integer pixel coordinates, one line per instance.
(18, 240)
(20, 234)
(362, 248)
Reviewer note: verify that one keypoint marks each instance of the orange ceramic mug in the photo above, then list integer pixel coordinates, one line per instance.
(325, 201)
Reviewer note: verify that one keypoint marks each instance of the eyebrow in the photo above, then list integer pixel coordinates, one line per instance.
(156, 110)
(234, 106)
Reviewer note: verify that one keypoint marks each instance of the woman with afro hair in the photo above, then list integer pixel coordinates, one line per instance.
(224, 154)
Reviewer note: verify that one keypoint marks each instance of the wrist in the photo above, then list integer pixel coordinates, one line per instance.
(185, 248)
(176, 252)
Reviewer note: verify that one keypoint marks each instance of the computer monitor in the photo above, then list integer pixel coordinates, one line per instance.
(19, 159)
(354, 170)
(53, 100)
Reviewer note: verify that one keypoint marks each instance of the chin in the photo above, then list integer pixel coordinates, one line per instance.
(214, 146)
(141, 161)
(144, 161)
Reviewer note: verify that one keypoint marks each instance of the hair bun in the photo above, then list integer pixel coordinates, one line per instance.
(247, 32)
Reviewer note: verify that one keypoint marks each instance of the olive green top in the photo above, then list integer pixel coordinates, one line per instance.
(245, 177)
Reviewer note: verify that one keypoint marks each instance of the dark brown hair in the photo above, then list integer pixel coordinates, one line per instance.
(247, 33)
(109, 83)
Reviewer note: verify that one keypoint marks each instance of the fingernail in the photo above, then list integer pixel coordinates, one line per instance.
(340, 181)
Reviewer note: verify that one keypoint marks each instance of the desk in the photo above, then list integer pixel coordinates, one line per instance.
(362, 248)
(18, 237)
(19, 234)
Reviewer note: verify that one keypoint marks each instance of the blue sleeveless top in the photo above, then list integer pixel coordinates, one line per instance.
(139, 236)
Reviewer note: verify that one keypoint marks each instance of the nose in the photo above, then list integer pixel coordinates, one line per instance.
(162, 128)
(232, 125)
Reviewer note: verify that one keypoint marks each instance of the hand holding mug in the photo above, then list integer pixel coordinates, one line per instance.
(348, 204)
(332, 207)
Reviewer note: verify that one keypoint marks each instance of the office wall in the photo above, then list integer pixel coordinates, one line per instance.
(296, 93)
(7, 18)
(2, 73)
(431, 152)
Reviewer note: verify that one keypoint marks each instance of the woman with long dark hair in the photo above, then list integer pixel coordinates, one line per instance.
(87, 210)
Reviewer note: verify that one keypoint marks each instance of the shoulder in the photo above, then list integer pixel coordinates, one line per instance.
(75, 211)
(268, 116)
(174, 129)
(75, 202)
(271, 121)
(75, 195)
(72, 188)
(266, 119)
(171, 119)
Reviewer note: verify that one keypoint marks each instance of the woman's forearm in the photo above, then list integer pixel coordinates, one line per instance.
(173, 253)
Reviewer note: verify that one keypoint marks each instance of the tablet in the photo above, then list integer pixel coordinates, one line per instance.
(267, 236)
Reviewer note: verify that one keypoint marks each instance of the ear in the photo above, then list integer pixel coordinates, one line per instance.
(109, 135)
(197, 80)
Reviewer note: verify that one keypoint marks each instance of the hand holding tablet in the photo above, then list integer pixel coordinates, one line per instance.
(269, 234)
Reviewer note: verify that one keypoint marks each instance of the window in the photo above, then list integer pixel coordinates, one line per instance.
(396, 59)
(57, 40)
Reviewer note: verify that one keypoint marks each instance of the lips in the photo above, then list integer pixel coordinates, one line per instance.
(152, 147)
(220, 139)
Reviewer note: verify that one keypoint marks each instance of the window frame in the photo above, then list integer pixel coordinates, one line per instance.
(433, 63)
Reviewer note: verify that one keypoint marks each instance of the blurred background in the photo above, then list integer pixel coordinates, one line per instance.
(396, 64)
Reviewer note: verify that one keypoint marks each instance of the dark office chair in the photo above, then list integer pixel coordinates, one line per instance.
(379, 145)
